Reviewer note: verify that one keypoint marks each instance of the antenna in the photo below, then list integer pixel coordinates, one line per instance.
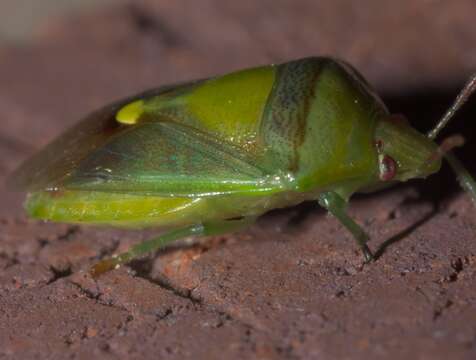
(464, 177)
(462, 97)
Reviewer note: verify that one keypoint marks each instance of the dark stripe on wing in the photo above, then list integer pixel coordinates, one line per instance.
(283, 128)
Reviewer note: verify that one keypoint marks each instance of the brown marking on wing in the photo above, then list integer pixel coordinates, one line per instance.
(302, 118)
(285, 117)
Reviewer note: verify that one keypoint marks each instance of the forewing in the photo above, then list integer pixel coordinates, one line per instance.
(157, 156)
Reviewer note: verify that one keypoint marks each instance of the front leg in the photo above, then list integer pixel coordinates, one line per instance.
(333, 203)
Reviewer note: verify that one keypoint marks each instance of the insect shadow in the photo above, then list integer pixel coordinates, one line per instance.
(403, 234)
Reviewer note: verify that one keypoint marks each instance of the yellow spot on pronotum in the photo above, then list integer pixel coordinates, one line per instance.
(130, 113)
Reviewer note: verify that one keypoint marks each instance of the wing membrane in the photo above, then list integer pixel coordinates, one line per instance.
(167, 159)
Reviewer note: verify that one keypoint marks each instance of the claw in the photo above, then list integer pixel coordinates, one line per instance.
(368, 255)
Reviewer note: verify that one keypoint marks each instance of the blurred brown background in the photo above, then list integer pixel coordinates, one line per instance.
(19, 19)
(291, 287)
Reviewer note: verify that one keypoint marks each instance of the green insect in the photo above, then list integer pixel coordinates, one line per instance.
(210, 156)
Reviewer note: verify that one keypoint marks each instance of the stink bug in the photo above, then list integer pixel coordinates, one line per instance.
(210, 156)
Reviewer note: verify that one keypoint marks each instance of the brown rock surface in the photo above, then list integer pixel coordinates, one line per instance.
(292, 286)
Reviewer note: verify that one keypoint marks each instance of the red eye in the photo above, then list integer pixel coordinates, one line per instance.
(387, 168)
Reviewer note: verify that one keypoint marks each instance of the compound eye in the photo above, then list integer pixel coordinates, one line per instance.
(387, 168)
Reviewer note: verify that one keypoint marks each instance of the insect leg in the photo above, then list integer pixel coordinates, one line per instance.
(206, 229)
(333, 203)
(464, 178)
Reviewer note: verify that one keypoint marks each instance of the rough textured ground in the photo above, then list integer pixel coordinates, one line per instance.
(293, 286)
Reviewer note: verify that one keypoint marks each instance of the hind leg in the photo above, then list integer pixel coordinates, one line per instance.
(205, 229)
